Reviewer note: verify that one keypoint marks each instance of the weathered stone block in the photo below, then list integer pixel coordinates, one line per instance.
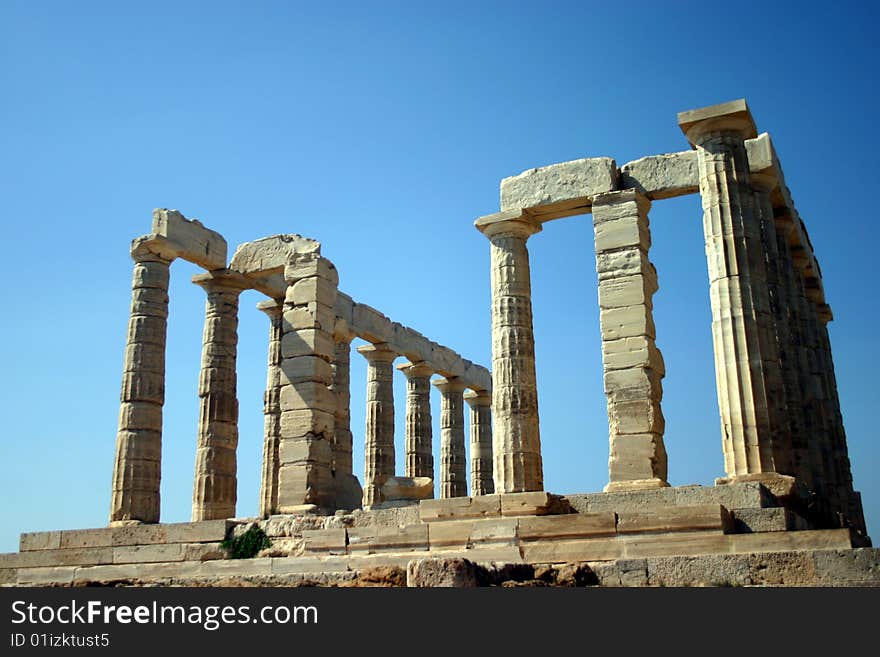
(324, 541)
(190, 239)
(307, 267)
(627, 291)
(458, 508)
(590, 549)
(639, 546)
(860, 566)
(410, 538)
(148, 553)
(306, 368)
(369, 324)
(304, 422)
(448, 573)
(663, 176)
(634, 352)
(8, 576)
(307, 395)
(39, 541)
(308, 342)
(629, 231)
(777, 519)
(639, 416)
(537, 503)
(494, 532)
(616, 323)
(305, 448)
(294, 565)
(675, 519)
(312, 290)
(706, 570)
(46, 576)
(270, 254)
(452, 534)
(556, 190)
(569, 526)
(783, 569)
(623, 262)
(633, 383)
(309, 316)
(818, 539)
(408, 488)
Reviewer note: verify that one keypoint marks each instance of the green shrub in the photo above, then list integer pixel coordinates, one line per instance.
(247, 544)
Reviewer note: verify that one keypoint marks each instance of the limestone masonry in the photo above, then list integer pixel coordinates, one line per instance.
(784, 512)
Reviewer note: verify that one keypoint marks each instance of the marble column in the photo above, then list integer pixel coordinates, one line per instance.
(418, 444)
(379, 437)
(633, 366)
(341, 387)
(480, 404)
(775, 341)
(137, 467)
(741, 319)
(216, 479)
(271, 410)
(453, 460)
(516, 439)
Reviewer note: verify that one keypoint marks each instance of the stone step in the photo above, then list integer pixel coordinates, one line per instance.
(778, 519)
(491, 506)
(146, 534)
(748, 495)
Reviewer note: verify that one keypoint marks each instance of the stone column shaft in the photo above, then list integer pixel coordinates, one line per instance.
(516, 440)
(379, 435)
(742, 326)
(137, 466)
(480, 403)
(453, 459)
(342, 438)
(633, 366)
(271, 410)
(308, 403)
(216, 478)
(418, 445)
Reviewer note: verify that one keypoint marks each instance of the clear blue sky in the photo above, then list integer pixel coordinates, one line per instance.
(383, 130)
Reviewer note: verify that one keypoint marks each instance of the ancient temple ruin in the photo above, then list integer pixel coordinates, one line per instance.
(787, 487)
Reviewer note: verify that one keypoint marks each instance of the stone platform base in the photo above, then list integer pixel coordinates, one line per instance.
(735, 534)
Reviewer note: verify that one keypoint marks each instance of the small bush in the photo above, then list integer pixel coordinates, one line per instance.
(247, 544)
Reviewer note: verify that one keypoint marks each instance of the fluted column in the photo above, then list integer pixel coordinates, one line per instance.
(516, 440)
(418, 448)
(271, 410)
(379, 436)
(775, 338)
(453, 465)
(741, 320)
(137, 467)
(215, 486)
(633, 366)
(341, 387)
(480, 404)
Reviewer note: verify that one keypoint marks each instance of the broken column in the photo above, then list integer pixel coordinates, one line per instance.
(418, 443)
(633, 366)
(271, 410)
(216, 478)
(741, 322)
(137, 468)
(379, 436)
(480, 404)
(516, 439)
(308, 404)
(453, 465)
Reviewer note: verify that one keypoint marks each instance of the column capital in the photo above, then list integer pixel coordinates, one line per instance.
(272, 307)
(450, 384)
(342, 331)
(415, 370)
(510, 223)
(477, 398)
(377, 353)
(152, 248)
(731, 117)
(225, 279)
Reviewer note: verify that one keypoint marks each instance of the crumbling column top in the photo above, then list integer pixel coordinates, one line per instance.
(732, 116)
(271, 307)
(379, 353)
(152, 247)
(415, 370)
(622, 196)
(478, 398)
(222, 278)
(449, 384)
(514, 223)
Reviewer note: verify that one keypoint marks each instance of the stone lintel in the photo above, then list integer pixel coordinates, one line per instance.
(732, 116)
(190, 239)
(662, 176)
(269, 255)
(369, 324)
(559, 190)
